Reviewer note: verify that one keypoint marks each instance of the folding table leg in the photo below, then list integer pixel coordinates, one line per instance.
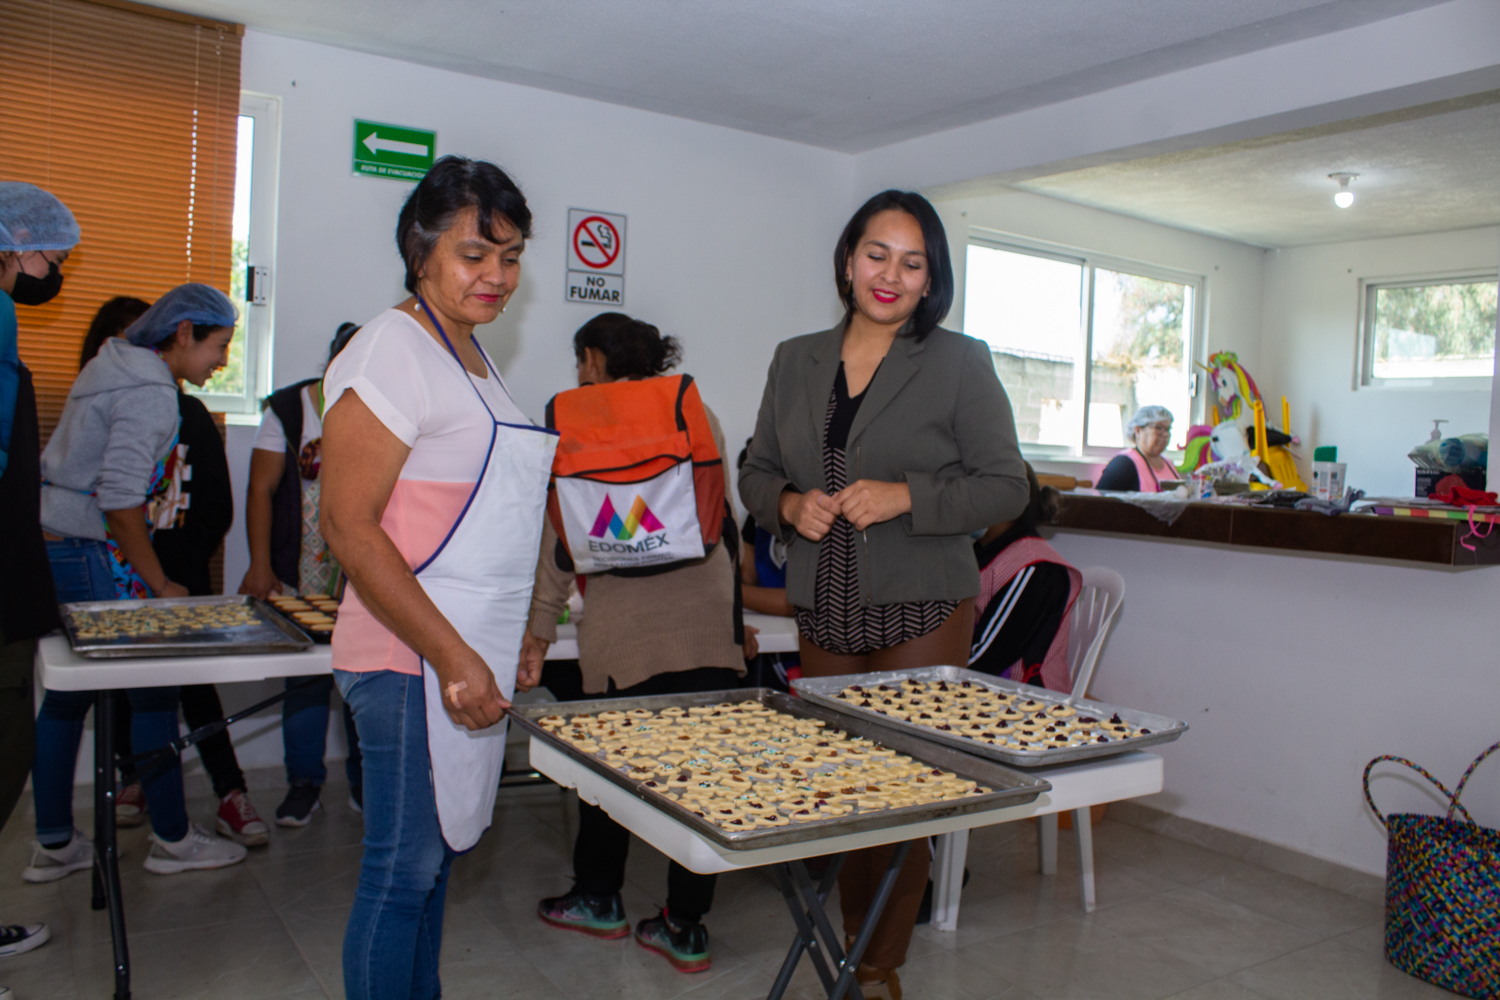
(814, 900)
(1082, 826)
(872, 917)
(1046, 844)
(106, 850)
(806, 939)
(948, 879)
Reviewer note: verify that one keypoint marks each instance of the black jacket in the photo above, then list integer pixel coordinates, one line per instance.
(286, 502)
(28, 604)
(186, 550)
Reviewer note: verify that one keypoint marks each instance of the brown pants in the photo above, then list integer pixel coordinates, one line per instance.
(947, 645)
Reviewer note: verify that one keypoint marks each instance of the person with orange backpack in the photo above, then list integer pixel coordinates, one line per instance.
(637, 512)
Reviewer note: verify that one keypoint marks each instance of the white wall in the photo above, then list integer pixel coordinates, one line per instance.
(1310, 336)
(1294, 672)
(728, 241)
(728, 244)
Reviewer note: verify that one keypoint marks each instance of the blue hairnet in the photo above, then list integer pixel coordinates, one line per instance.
(1151, 414)
(198, 304)
(33, 219)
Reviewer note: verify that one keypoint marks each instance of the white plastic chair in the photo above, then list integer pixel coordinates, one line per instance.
(1098, 601)
(1093, 613)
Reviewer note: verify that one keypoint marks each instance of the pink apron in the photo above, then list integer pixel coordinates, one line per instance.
(995, 577)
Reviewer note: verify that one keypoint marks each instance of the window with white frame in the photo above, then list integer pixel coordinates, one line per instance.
(237, 388)
(1081, 341)
(1429, 333)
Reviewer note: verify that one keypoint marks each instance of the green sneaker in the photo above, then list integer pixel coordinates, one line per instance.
(599, 916)
(686, 947)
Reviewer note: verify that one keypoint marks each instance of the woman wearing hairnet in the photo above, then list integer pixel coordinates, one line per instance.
(107, 477)
(36, 233)
(1141, 467)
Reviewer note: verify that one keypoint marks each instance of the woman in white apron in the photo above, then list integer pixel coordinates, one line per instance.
(432, 501)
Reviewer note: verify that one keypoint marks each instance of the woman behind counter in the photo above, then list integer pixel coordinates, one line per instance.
(880, 445)
(1141, 467)
(433, 486)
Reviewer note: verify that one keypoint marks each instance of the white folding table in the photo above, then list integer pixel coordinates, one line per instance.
(61, 670)
(1074, 787)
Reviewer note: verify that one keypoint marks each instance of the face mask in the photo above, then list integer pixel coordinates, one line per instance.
(32, 291)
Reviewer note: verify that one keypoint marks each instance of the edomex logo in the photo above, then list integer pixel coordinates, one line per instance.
(640, 516)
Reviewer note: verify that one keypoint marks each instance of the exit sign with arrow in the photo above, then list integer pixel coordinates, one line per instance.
(383, 150)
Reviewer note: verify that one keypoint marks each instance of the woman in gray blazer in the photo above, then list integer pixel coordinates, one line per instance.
(880, 445)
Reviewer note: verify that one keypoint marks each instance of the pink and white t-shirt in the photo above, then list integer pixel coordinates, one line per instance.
(423, 396)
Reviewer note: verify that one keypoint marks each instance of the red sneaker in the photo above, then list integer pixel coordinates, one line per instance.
(130, 805)
(239, 821)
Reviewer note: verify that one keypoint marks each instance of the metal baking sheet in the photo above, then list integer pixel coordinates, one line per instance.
(825, 690)
(320, 638)
(1009, 788)
(271, 634)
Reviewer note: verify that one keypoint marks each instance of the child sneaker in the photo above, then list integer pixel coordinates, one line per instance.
(686, 947)
(599, 916)
(49, 865)
(199, 849)
(239, 821)
(130, 805)
(297, 808)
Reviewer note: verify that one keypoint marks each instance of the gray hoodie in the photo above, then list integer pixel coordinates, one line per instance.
(119, 421)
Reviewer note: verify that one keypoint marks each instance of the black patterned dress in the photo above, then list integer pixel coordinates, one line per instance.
(840, 623)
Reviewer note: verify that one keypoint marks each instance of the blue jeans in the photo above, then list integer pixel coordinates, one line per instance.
(80, 571)
(304, 734)
(396, 927)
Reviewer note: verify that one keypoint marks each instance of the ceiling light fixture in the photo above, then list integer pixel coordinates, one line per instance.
(1344, 197)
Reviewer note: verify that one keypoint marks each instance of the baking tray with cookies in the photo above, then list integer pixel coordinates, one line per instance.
(753, 768)
(990, 716)
(315, 614)
(179, 626)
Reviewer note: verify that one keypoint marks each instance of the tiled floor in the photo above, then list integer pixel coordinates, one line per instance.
(1173, 921)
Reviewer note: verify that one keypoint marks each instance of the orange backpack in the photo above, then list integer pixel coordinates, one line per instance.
(637, 480)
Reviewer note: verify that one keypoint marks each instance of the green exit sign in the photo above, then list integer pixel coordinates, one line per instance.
(383, 150)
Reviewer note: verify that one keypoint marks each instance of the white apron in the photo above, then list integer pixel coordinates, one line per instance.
(481, 578)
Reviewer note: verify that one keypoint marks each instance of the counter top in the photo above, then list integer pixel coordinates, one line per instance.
(1428, 541)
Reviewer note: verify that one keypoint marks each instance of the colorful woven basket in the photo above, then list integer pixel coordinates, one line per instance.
(1442, 892)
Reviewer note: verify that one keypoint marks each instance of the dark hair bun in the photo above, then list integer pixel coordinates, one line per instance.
(631, 348)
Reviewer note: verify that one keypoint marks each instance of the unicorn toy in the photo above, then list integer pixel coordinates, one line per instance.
(1234, 388)
(1236, 461)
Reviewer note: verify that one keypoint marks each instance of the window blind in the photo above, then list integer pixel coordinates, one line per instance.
(127, 114)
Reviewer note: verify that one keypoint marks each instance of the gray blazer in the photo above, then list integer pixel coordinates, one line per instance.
(934, 417)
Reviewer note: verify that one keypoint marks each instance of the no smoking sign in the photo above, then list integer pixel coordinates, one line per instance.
(596, 257)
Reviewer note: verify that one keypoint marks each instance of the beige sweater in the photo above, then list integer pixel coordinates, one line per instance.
(634, 628)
